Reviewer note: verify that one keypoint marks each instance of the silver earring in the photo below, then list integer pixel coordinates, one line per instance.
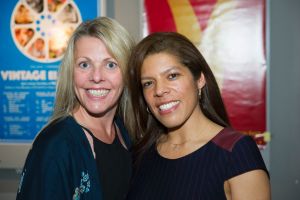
(199, 93)
(148, 110)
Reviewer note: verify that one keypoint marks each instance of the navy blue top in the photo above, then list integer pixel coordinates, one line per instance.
(61, 165)
(199, 175)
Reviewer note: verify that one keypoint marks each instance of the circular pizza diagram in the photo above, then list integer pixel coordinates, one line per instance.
(41, 28)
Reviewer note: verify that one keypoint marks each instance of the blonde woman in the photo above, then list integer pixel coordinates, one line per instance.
(82, 153)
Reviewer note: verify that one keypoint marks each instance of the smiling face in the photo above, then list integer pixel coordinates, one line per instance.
(98, 79)
(169, 89)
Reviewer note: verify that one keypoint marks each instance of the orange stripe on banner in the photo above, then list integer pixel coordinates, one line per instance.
(185, 19)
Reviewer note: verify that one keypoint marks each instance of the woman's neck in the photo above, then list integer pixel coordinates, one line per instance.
(195, 128)
(101, 126)
(191, 136)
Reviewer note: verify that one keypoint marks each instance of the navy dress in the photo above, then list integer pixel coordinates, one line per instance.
(199, 175)
(61, 165)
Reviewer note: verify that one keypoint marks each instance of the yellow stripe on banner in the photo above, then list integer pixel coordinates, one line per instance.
(185, 19)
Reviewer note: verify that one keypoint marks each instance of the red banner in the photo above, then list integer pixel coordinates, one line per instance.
(230, 35)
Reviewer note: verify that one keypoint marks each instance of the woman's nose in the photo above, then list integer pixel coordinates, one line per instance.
(161, 89)
(97, 74)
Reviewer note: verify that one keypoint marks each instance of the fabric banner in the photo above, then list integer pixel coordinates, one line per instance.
(231, 36)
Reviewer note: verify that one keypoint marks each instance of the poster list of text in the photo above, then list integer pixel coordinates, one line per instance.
(27, 98)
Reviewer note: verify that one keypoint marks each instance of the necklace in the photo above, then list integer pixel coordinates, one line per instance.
(177, 146)
(190, 142)
(173, 146)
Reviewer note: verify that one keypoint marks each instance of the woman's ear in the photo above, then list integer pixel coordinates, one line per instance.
(201, 81)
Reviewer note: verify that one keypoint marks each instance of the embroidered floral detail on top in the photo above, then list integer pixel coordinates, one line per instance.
(84, 187)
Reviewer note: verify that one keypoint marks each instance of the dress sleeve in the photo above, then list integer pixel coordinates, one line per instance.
(45, 178)
(245, 157)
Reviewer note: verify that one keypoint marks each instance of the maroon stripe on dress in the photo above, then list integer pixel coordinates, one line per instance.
(227, 138)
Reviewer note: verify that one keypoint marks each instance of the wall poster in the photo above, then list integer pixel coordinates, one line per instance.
(231, 36)
(33, 38)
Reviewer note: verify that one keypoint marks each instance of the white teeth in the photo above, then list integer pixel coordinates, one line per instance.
(98, 93)
(168, 105)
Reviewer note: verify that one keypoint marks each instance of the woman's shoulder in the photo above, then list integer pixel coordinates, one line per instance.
(242, 152)
(57, 136)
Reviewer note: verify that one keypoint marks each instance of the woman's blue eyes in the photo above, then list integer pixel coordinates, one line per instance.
(83, 65)
(109, 65)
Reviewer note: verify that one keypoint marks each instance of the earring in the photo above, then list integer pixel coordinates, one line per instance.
(148, 110)
(199, 93)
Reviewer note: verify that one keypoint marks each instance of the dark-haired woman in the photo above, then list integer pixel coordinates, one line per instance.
(186, 148)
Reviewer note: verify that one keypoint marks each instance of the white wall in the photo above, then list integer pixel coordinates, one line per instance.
(128, 13)
(284, 97)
